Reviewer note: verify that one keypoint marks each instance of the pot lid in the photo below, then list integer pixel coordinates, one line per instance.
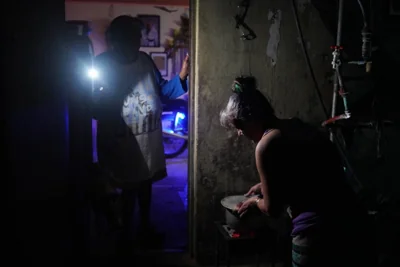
(232, 201)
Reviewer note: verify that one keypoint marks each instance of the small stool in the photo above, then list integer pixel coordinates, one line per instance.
(247, 240)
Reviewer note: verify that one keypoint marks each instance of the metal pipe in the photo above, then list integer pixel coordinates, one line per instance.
(336, 79)
(343, 95)
(340, 21)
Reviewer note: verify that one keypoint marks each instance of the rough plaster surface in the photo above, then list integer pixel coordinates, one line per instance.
(274, 16)
(224, 164)
(302, 5)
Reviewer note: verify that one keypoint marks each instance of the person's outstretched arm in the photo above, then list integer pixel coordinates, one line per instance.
(175, 87)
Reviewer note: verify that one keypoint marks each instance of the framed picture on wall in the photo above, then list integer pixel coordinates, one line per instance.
(161, 61)
(151, 31)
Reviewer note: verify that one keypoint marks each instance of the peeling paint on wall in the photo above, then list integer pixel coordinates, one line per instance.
(302, 4)
(274, 16)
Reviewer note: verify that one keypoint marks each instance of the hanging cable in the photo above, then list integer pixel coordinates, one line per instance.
(249, 50)
(318, 91)
(362, 12)
(366, 34)
(307, 58)
(247, 33)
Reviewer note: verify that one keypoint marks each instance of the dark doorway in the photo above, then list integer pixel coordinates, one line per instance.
(169, 195)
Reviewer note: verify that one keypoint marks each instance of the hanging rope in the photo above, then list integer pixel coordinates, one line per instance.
(249, 51)
(247, 33)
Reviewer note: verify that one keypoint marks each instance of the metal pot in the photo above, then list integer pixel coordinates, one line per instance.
(253, 219)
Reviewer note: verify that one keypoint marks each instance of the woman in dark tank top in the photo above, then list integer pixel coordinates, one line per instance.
(299, 167)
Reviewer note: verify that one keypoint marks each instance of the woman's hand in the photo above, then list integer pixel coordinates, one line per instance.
(185, 68)
(256, 189)
(242, 207)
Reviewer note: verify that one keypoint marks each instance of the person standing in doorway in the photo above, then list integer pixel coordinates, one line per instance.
(128, 112)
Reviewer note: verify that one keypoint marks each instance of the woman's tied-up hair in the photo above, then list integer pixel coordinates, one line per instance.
(244, 84)
(245, 105)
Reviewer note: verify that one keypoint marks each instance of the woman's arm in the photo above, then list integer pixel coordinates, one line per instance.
(263, 154)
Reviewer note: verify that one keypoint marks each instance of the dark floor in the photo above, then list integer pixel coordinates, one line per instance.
(169, 207)
(169, 204)
(169, 215)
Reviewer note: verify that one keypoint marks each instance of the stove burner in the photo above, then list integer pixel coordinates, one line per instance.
(236, 234)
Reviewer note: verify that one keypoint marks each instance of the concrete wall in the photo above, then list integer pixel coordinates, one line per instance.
(222, 164)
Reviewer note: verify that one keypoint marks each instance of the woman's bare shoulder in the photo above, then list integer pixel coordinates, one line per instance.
(268, 141)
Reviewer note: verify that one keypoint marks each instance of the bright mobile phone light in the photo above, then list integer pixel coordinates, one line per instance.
(93, 73)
